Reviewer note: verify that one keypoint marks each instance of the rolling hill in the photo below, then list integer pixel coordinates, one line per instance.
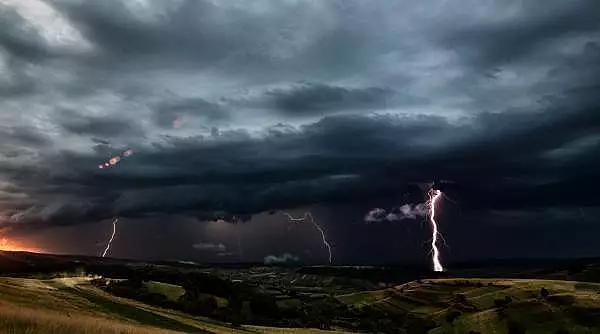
(492, 305)
(73, 305)
(44, 293)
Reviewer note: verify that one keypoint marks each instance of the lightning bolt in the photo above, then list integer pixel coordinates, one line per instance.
(308, 215)
(434, 195)
(112, 237)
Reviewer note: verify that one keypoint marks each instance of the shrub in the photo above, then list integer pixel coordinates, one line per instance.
(452, 315)
(586, 316)
(501, 303)
(562, 299)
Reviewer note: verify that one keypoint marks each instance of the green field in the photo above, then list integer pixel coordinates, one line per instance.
(492, 305)
(171, 291)
(73, 305)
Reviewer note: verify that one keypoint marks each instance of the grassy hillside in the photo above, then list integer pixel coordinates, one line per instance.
(492, 305)
(42, 296)
(72, 305)
(171, 291)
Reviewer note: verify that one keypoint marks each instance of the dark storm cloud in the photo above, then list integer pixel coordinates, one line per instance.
(115, 28)
(18, 83)
(318, 164)
(502, 132)
(212, 34)
(18, 39)
(315, 99)
(168, 112)
(105, 127)
(22, 136)
(490, 44)
(271, 40)
(337, 160)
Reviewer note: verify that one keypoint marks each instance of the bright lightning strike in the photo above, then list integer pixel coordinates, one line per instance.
(409, 211)
(308, 215)
(112, 237)
(434, 195)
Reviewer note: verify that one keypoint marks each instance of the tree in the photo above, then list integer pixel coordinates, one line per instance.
(500, 303)
(246, 311)
(461, 298)
(450, 316)
(209, 304)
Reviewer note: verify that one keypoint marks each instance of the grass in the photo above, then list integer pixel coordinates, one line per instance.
(135, 313)
(171, 291)
(571, 305)
(174, 292)
(29, 321)
(72, 305)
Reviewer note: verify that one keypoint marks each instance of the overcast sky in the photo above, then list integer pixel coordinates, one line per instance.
(251, 108)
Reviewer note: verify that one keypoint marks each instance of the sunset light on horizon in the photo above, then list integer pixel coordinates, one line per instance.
(14, 245)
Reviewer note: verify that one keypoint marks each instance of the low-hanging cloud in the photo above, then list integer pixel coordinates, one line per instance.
(405, 211)
(210, 247)
(285, 258)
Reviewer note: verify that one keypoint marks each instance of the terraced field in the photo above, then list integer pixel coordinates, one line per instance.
(492, 305)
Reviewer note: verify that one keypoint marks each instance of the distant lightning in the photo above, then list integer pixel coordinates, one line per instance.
(308, 215)
(112, 237)
(434, 195)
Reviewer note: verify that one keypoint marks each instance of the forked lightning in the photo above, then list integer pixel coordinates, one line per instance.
(308, 215)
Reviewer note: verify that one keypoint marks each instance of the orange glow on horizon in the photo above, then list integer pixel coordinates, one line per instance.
(17, 246)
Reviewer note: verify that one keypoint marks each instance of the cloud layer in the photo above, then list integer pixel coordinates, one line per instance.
(237, 108)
